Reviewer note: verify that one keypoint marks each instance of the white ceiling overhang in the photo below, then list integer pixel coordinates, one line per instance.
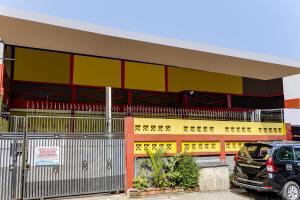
(40, 31)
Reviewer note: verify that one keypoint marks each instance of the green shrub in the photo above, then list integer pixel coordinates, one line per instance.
(179, 170)
(189, 171)
(157, 166)
(172, 175)
(141, 181)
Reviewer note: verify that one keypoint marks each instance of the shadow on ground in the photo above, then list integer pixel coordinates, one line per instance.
(257, 195)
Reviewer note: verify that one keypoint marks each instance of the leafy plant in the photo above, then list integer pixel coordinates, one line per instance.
(172, 175)
(189, 171)
(179, 170)
(141, 181)
(157, 165)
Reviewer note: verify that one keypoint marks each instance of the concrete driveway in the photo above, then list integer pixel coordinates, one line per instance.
(233, 194)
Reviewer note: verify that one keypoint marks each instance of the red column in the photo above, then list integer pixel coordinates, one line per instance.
(229, 105)
(1, 79)
(289, 134)
(178, 144)
(129, 152)
(129, 97)
(166, 79)
(122, 73)
(223, 152)
(73, 87)
(185, 99)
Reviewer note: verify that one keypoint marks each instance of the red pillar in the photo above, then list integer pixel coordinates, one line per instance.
(73, 87)
(129, 152)
(185, 99)
(289, 134)
(178, 144)
(166, 79)
(122, 73)
(229, 105)
(223, 151)
(1, 79)
(129, 97)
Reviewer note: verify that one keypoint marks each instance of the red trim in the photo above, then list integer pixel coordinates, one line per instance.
(22, 103)
(292, 103)
(289, 134)
(89, 86)
(129, 152)
(185, 100)
(223, 152)
(129, 97)
(71, 69)
(122, 74)
(73, 87)
(229, 105)
(209, 138)
(1, 79)
(166, 79)
(193, 154)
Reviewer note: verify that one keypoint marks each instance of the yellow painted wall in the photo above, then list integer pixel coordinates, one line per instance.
(180, 79)
(97, 71)
(45, 66)
(41, 66)
(198, 127)
(144, 76)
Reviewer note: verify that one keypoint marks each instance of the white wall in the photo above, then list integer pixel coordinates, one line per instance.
(292, 116)
(1, 52)
(291, 87)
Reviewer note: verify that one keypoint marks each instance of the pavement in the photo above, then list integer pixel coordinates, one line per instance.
(233, 194)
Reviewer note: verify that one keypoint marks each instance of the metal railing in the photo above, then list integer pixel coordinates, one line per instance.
(205, 114)
(67, 124)
(118, 111)
(60, 124)
(12, 123)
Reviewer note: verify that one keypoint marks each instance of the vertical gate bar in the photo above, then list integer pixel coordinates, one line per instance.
(108, 102)
(24, 158)
(4, 192)
(13, 164)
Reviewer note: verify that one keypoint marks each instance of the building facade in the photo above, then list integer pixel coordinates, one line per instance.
(56, 77)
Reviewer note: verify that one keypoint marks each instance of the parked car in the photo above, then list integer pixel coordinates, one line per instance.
(269, 166)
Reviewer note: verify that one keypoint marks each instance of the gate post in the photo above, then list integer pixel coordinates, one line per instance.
(1, 72)
(129, 152)
(108, 103)
(223, 150)
(24, 158)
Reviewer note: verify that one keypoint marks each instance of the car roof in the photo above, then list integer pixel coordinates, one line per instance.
(276, 143)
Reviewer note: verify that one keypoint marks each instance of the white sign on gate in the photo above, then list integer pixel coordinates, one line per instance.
(45, 156)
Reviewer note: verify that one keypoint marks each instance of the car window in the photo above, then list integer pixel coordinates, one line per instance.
(297, 153)
(285, 153)
(255, 151)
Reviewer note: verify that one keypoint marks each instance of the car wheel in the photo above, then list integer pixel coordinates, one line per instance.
(291, 191)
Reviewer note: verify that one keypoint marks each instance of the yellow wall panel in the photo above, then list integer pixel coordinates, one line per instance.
(41, 66)
(97, 71)
(180, 79)
(200, 147)
(204, 127)
(144, 76)
(143, 147)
